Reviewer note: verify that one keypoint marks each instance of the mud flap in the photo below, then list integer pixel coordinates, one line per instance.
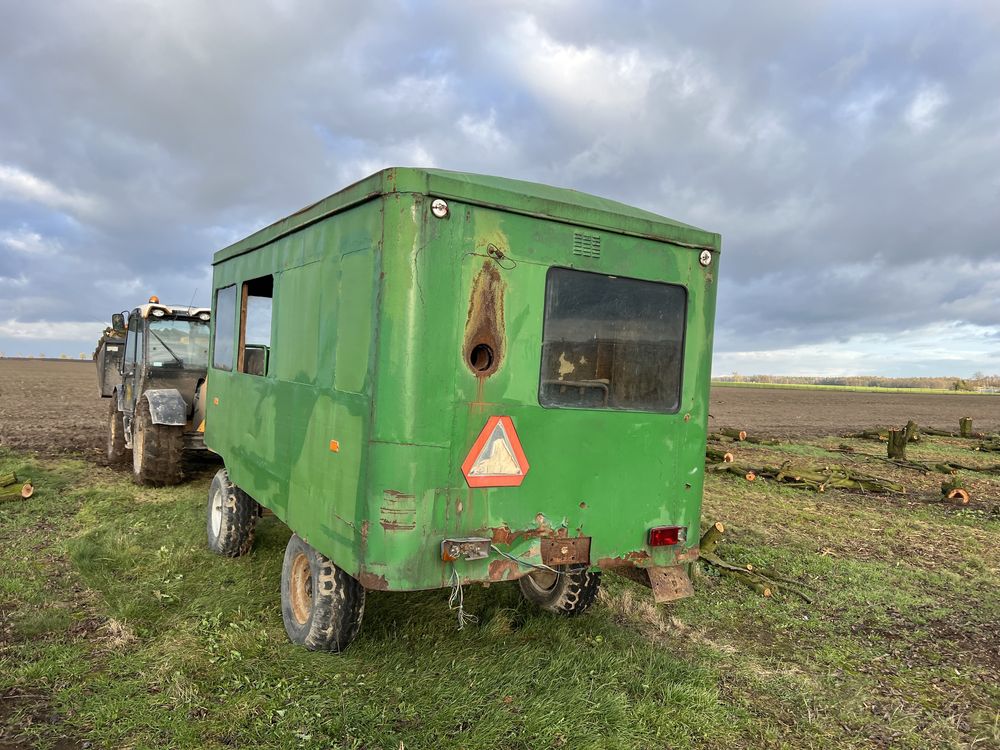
(670, 583)
(166, 406)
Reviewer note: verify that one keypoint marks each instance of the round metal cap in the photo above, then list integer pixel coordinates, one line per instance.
(705, 258)
(439, 208)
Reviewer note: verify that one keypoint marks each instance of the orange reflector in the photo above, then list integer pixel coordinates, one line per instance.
(215, 400)
(496, 458)
(335, 446)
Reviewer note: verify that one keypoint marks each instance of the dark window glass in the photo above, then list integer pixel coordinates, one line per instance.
(255, 331)
(611, 343)
(224, 319)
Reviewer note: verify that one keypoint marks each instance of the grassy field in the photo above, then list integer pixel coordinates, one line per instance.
(847, 388)
(119, 629)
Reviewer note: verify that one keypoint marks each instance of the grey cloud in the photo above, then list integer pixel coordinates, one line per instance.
(792, 129)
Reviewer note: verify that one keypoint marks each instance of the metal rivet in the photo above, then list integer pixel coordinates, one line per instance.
(439, 208)
(705, 258)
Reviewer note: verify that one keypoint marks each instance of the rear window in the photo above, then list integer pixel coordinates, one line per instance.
(611, 343)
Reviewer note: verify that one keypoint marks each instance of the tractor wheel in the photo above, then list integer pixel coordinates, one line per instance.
(320, 604)
(118, 452)
(156, 449)
(232, 517)
(568, 593)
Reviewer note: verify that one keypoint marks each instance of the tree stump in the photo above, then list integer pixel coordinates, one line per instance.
(954, 492)
(965, 427)
(912, 432)
(897, 444)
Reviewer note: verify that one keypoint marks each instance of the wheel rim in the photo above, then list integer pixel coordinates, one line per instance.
(216, 512)
(300, 588)
(543, 580)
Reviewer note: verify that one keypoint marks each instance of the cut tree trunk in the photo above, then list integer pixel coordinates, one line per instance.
(734, 434)
(718, 457)
(965, 427)
(897, 444)
(954, 492)
(711, 538)
(818, 478)
(8, 478)
(912, 432)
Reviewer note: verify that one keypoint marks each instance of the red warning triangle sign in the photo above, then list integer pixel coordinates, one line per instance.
(496, 458)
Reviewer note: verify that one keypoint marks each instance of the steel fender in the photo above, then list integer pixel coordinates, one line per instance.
(166, 406)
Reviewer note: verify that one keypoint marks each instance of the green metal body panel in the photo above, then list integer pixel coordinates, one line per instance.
(373, 298)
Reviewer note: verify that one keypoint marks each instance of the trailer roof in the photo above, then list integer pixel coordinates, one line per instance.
(517, 196)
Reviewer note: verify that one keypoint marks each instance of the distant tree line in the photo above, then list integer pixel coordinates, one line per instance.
(978, 382)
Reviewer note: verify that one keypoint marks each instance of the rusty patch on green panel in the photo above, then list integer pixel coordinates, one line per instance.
(398, 511)
(501, 569)
(372, 581)
(484, 344)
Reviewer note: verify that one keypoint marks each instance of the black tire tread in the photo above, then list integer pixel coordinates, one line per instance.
(162, 450)
(239, 518)
(118, 454)
(338, 602)
(572, 595)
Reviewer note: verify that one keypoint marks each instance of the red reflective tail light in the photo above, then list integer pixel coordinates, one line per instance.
(664, 536)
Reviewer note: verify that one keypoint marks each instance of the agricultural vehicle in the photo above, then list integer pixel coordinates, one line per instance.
(152, 368)
(438, 379)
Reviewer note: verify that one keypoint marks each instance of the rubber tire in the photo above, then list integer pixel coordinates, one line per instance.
(570, 594)
(118, 453)
(333, 612)
(157, 449)
(236, 517)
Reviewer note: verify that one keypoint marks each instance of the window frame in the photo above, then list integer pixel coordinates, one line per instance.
(682, 344)
(242, 323)
(216, 331)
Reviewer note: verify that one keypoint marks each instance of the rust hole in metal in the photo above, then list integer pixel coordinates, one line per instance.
(481, 357)
(484, 330)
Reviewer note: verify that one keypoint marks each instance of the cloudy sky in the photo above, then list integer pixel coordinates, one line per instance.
(848, 152)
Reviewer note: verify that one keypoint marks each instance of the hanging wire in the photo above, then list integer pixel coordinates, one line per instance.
(457, 599)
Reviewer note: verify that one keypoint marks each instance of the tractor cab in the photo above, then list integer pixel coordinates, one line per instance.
(157, 407)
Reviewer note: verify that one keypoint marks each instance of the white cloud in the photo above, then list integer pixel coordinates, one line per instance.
(923, 111)
(30, 243)
(18, 184)
(43, 330)
(951, 348)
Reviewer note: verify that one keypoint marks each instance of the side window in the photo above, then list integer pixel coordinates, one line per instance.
(225, 327)
(255, 325)
(128, 359)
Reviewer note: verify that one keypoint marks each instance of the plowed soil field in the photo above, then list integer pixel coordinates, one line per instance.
(52, 407)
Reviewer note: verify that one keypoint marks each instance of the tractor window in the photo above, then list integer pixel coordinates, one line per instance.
(225, 327)
(178, 342)
(611, 343)
(255, 325)
(131, 339)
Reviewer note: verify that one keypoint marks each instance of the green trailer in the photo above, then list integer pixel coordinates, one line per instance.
(438, 379)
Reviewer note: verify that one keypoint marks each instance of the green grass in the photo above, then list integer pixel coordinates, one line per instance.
(131, 633)
(852, 388)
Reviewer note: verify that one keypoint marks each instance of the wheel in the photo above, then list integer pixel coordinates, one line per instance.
(320, 604)
(156, 449)
(232, 517)
(568, 593)
(118, 452)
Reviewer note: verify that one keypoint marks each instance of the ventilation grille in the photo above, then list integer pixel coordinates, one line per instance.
(586, 245)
